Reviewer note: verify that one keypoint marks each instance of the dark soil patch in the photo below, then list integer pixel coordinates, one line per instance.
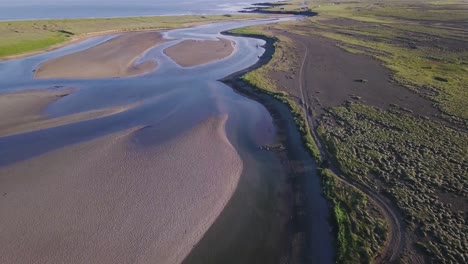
(349, 23)
(455, 202)
(330, 75)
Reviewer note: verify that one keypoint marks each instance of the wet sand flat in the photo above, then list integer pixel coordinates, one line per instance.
(22, 112)
(190, 52)
(25, 107)
(113, 58)
(112, 200)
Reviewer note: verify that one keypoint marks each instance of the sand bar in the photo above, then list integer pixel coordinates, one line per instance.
(22, 112)
(112, 200)
(19, 108)
(113, 58)
(190, 52)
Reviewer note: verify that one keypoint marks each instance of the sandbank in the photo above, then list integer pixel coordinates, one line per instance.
(113, 58)
(22, 112)
(19, 108)
(112, 200)
(190, 52)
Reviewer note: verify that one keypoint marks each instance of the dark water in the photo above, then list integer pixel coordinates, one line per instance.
(32, 9)
(254, 227)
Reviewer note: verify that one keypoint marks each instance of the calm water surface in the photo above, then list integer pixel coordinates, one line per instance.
(35, 9)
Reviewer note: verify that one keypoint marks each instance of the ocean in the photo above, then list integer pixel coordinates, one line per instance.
(58, 9)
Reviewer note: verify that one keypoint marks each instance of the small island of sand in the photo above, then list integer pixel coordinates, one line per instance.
(190, 53)
(113, 58)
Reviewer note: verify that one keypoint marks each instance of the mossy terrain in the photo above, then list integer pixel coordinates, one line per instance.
(361, 229)
(24, 36)
(419, 164)
(416, 162)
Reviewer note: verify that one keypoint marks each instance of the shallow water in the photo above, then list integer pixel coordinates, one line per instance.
(54, 9)
(171, 100)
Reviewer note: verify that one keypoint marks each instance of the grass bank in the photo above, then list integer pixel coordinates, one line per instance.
(360, 228)
(283, 58)
(32, 35)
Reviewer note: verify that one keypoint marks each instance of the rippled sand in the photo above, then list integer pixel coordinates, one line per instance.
(111, 200)
(113, 58)
(197, 52)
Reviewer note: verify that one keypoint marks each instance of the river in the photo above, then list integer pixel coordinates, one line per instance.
(256, 225)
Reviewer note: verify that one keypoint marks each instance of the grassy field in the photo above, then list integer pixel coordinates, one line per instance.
(417, 163)
(420, 164)
(25, 36)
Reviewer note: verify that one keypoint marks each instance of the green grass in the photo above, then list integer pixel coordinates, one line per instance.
(359, 234)
(24, 36)
(412, 160)
(35, 43)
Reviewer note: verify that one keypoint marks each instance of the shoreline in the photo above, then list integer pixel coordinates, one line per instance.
(291, 139)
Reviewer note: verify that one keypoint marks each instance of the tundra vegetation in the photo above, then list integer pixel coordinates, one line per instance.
(419, 163)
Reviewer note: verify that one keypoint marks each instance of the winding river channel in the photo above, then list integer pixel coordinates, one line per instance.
(250, 222)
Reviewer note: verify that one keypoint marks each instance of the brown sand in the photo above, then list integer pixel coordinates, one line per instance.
(197, 52)
(113, 58)
(112, 201)
(24, 107)
(21, 112)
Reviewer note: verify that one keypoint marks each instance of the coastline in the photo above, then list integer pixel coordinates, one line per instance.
(301, 246)
(304, 233)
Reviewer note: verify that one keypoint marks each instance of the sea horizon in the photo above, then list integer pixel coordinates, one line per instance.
(50, 10)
